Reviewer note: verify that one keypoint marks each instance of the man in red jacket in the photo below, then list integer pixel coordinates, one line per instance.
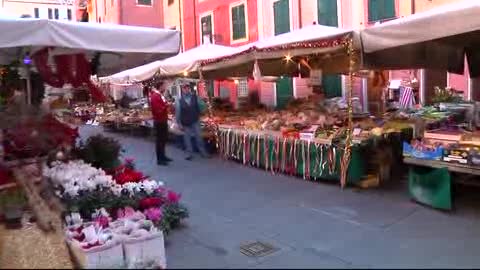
(159, 107)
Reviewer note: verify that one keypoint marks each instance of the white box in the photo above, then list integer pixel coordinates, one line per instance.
(103, 257)
(150, 248)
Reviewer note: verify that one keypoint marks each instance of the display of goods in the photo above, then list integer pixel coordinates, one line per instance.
(422, 151)
(475, 158)
(453, 135)
(456, 155)
(34, 138)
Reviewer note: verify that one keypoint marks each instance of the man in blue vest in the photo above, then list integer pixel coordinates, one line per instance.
(187, 112)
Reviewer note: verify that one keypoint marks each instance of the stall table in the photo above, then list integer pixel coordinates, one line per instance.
(429, 181)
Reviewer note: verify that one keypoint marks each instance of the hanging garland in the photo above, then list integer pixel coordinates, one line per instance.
(324, 43)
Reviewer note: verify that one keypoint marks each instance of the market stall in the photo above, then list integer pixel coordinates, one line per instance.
(451, 147)
(301, 52)
(43, 173)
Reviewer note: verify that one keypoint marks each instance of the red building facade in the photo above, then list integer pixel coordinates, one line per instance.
(127, 12)
(227, 22)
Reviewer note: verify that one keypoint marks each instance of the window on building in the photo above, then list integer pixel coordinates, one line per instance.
(144, 2)
(327, 12)
(206, 28)
(57, 14)
(242, 87)
(50, 13)
(170, 2)
(36, 12)
(328, 15)
(69, 14)
(379, 10)
(281, 16)
(239, 27)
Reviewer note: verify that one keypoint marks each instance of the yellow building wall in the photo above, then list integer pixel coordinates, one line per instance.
(27, 7)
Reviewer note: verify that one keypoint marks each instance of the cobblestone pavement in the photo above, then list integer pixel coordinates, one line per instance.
(313, 225)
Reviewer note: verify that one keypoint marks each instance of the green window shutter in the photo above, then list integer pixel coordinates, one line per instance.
(281, 16)
(380, 10)
(238, 22)
(327, 12)
(332, 85)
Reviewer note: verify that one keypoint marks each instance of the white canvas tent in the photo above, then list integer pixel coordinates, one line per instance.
(439, 38)
(270, 53)
(179, 65)
(120, 46)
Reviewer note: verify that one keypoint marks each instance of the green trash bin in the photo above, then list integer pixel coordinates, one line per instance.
(431, 187)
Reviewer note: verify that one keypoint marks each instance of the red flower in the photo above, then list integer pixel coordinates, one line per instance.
(128, 176)
(102, 221)
(151, 202)
(173, 197)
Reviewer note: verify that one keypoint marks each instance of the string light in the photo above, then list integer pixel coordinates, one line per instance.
(185, 73)
(288, 58)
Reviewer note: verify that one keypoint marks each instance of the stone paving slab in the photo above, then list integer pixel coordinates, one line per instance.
(315, 225)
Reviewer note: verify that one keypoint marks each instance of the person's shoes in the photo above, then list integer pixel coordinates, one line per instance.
(162, 163)
(189, 158)
(168, 159)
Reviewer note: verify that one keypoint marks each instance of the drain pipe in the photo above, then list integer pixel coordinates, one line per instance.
(412, 4)
(195, 21)
(300, 14)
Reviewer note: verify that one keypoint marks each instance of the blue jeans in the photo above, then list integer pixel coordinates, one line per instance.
(193, 131)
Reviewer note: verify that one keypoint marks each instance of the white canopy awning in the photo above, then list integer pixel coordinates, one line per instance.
(120, 46)
(309, 40)
(438, 38)
(178, 65)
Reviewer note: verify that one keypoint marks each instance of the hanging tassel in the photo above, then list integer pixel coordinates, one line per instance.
(295, 157)
(277, 156)
(304, 161)
(258, 151)
(317, 161)
(284, 156)
(323, 162)
(265, 152)
(330, 160)
(308, 159)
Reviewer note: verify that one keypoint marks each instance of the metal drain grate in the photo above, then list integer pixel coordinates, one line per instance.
(257, 249)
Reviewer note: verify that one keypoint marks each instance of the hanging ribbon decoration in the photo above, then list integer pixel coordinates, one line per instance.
(304, 161)
(265, 152)
(348, 140)
(308, 159)
(258, 151)
(74, 69)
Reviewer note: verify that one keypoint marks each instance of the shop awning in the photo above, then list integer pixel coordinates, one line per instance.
(324, 44)
(439, 39)
(120, 46)
(182, 64)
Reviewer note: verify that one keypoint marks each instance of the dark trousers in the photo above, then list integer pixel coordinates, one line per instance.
(161, 133)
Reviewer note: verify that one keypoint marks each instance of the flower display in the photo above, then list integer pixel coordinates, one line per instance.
(94, 195)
